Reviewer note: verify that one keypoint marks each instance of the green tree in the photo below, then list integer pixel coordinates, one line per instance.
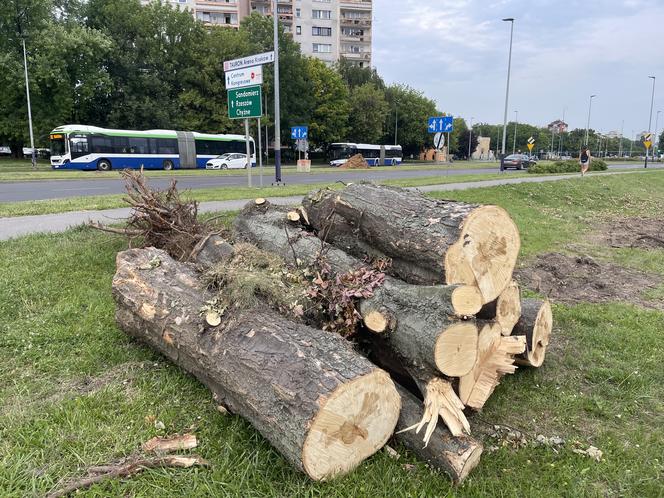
(368, 112)
(354, 75)
(460, 137)
(412, 110)
(330, 104)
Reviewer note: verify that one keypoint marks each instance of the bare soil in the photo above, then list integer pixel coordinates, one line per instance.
(639, 233)
(355, 162)
(571, 279)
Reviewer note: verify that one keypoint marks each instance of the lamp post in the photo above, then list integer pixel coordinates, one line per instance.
(631, 144)
(507, 89)
(516, 120)
(620, 145)
(470, 137)
(396, 116)
(655, 139)
(277, 112)
(652, 101)
(590, 103)
(27, 94)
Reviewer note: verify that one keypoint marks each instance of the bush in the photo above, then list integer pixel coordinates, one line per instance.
(570, 166)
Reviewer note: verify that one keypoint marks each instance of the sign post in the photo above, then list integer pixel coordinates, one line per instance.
(647, 141)
(245, 103)
(301, 135)
(260, 152)
(442, 124)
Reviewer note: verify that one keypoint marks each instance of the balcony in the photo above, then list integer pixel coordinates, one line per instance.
(350, 21)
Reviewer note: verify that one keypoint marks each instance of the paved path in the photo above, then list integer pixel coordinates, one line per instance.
(31, 190)
(59, 222)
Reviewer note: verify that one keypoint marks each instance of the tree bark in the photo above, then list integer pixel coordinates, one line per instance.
(535, 324)
(321, 404)
(429, 241)
(456, 455)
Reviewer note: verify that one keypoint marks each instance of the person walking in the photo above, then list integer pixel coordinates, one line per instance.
(584, 160)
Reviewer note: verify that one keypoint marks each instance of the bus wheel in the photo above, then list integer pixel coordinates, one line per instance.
(104, 165)
(168, 165)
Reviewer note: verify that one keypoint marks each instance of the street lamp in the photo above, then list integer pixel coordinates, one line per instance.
(590, 103)
(470, 137)
(516, 120)
(277, 111)
(652, 101)
(655, 139)
(396, 115)
(507, 89)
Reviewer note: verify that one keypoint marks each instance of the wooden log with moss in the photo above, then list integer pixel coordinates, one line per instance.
(535, 324)
(321, 404)
(429, 241)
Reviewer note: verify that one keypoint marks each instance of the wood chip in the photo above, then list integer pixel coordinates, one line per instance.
(170, 444)
(213, 318)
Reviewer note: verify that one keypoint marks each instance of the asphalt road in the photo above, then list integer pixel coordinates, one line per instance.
(60, 189)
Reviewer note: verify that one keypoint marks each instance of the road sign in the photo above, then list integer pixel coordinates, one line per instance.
(647, 143)
(245, 102)
(531, 144)
(530, 147)
(531, 140)
(439, 140)
(249, 61)
(244, 77)
(299, 132)
(441, 123)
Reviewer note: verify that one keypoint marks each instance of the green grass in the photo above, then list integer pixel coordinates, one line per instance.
(25, 208)
(21, 170)
(76, 389)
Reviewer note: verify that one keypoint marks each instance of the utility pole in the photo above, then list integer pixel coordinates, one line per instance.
(396, 117)
(516, 121)
(277, 111)
(590, 103)
(655, 139)
(27, 93)
(507, 89)
(652, 101)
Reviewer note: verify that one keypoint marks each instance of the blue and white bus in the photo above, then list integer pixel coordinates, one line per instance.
(89, 147)
(339, 153)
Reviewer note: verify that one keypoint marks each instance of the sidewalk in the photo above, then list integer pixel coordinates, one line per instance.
(59, 222)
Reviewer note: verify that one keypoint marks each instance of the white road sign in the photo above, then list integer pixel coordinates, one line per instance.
(244, 77)
(439, 140)
(249, 61)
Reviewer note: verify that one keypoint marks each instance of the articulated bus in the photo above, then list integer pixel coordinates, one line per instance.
(89, 147)
(339, 153)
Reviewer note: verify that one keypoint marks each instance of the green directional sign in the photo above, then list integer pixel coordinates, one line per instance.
(245, 102)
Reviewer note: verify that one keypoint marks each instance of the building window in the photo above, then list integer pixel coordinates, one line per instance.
(298, 30)
(317, 31)
(298, 12)
(321, 14)
(322, 48)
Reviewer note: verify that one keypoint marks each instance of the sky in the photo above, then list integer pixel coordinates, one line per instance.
(456, 52)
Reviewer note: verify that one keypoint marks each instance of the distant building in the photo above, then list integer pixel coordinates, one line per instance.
(557, 126)
(326, 29)
(613, 134)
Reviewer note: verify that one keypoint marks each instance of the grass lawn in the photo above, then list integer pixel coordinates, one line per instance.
(77, 390)
(20, 170)
(218, 194)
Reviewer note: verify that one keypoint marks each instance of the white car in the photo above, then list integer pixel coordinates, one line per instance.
(228, 161)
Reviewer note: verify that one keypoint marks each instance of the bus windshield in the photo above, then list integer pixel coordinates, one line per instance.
(341, 151)
(57, 145)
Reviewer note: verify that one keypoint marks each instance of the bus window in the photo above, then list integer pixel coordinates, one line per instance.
(78, 146)
(138, 145)
(101, 145)
(167, 146)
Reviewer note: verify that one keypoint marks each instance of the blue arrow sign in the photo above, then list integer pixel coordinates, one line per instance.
(299, 132)
(441, 124)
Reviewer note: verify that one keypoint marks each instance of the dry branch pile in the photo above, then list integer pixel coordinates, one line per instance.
(421, 289)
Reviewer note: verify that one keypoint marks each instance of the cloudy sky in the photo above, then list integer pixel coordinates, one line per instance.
(455, 51)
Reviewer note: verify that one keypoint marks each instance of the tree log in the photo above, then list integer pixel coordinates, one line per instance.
(457, 456)
(535, 324)
(505, 310)
(495, 359)
(429, 241)
(321, 404)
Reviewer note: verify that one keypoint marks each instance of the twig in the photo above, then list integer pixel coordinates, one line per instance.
(121, 231)
(126, 469)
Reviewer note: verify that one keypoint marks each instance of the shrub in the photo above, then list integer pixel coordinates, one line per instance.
(570, 166)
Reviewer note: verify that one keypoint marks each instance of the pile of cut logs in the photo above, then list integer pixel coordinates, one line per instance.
(436, 336)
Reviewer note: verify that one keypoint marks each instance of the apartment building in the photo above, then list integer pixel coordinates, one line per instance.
(326, 29)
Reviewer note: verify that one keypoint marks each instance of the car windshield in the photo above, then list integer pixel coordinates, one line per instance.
(223, 156)
(513, 156)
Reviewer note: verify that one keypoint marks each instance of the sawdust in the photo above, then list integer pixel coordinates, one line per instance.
(355, 162)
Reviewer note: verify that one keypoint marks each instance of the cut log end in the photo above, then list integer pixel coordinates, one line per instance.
(485, 253)
(508, 308)
(467, 300)
(541, 332)
(352, 424)
(455, 352)
(293, 216)
(376, 322)
(259, 201)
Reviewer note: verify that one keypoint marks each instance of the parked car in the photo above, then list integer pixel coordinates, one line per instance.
(228, 161)
(519, 161)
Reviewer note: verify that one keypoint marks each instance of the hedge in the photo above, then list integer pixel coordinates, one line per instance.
(571, 166)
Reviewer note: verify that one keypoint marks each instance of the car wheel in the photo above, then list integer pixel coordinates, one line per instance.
(168, 165)
(224, 166)
(104, 165)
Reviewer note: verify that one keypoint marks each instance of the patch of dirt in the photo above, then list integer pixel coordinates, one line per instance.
(570, 279)
(355, 162)
(640, 233)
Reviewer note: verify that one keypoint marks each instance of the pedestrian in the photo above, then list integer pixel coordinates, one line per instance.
(584, 160)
